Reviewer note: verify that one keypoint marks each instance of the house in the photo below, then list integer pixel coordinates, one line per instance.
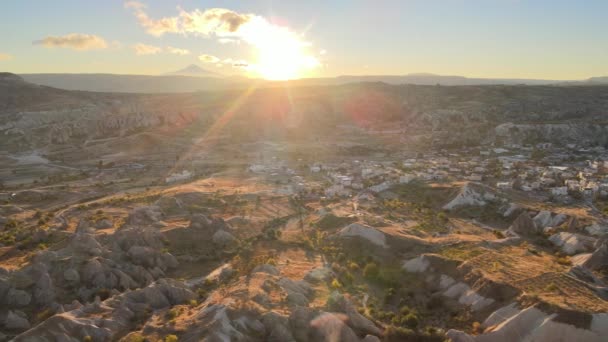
(504, 185)
(177, 177)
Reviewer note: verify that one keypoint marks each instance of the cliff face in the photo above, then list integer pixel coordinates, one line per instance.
(33, 116)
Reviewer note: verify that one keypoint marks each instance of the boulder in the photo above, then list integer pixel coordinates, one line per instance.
(571, 243)
(224, 239)
(319, 275)
(546, 218)
(71, 275)
(141, 255)
(16, 320)
(84, 243)
(524, 225)
(359, 323)
(277, 327)
(471, 194)
(597, 229)
(366, 233)
(144, 215)
(599, 258)
(18, 298)
(266, 268)
(104, 224)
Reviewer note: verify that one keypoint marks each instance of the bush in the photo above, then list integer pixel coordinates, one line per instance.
(134, 337)
(171, 338)
(411, 320)
(371, 271)
(172, 313)
(353, 266)
(564, 261)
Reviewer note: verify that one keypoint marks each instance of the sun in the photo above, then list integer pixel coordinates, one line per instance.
(276, 61)
(281, 54)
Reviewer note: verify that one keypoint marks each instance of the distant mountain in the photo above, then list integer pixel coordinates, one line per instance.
(426, 79)
(111, 83)
(194, 78)
(195, 71)
(602, 80)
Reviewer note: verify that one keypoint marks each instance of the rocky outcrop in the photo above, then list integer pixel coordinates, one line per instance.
(532, 324)
(548, 219)
(365, 233)
(598, 260)
(524, 225)
(471, 194)
(361, 325)
(105, 321)
(571, 243)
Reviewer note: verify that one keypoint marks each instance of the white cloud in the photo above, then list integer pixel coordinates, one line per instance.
(156, 27)
(76, 41)
(281, 52)
(143, 49)
(208, 59)
(5, 56)
(228, 41)
(177, 51)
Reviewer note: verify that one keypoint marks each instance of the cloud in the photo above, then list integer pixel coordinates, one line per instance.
(276, 46)
(228, 41)
(156, 27)
(5, 56)
(208, 59)
(212, 21)
(234, 63)
(76, 41)
(177, 51)
(143, 49)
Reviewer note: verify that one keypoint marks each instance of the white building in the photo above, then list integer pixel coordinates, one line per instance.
(177, 177)
(504, 185)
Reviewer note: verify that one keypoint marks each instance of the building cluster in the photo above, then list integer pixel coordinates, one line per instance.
(559, 172)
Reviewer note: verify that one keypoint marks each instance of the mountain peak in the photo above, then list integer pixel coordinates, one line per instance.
(194, 70)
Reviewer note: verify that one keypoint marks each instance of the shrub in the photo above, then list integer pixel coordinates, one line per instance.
(371, 271)
(551, 287)
(172, 313)
(411, 320)
(171, 338)
(353, 266)
(564, 261)
(134, 337)
(476, 328)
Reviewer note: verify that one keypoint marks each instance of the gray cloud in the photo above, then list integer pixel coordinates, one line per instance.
(75, 41)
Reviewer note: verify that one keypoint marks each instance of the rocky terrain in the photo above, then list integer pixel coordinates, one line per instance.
(219, 217)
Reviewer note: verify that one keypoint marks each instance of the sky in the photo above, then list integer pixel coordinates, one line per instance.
(542, 39)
